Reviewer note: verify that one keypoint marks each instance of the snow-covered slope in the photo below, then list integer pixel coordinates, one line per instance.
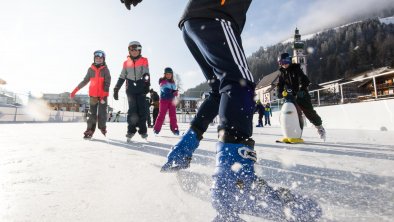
(49, 173)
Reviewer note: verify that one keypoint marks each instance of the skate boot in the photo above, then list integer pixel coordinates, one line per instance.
(129, 136)
(103, 131)
(88, 134)
(176, 132)
(144, 136)
(322, 132)
(181, 154)
(233, 179)
(156, 132)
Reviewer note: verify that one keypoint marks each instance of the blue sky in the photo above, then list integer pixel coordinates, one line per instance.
(46, 46)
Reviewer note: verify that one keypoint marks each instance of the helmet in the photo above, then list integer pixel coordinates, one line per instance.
(284, 58)
(168, 70)
(99, 53)
(135, 45)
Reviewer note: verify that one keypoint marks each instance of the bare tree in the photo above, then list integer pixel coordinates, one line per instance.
(178, 82)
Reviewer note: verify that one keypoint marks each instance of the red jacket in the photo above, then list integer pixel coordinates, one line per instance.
(100, 81)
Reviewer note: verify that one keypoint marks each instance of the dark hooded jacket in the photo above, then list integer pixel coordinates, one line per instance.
(229, 10)
(292, 78)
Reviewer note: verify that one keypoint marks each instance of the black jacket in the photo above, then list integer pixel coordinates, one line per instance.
(232, 10)
(294, 78)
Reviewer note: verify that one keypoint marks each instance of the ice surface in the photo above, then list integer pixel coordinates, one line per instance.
(49, 173)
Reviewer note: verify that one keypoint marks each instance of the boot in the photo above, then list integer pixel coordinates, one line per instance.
(129, 135)
(144, 136)
(104, 130)
(88, 134)
(233, 179)
(181, 154)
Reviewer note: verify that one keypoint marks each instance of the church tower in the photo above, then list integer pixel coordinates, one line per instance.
(299, 55)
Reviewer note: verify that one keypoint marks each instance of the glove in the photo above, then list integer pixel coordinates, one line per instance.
(301, 94)
(284, 94)
(116, 93)
(175, 92)
(72, 95)
(128, 3)
(146, 78)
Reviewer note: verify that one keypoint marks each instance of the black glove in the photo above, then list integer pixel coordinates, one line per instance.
(116, 93)
(128, 3)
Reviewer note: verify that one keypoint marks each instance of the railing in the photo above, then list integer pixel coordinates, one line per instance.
(348, 92)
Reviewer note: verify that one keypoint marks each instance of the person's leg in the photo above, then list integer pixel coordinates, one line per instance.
(92, 115)
(181, 154)
(155, 114)
(132, 115)
(163, 107)
(141, 110)
(172, 114)
(102, 114)
(222, 49)
(260, 119)
(305, 105)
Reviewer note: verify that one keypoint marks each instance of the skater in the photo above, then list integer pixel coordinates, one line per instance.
(259, 108)
(292, 77)
(117, 116)
(168, 92)
(147, 106)
(100, 80)
(218, 50)
(136, 74)
(155, 102)
(267, 114)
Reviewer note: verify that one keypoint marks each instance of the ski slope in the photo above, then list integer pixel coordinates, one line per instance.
(49, 173)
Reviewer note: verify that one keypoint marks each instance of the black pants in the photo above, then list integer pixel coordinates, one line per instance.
(136, 115)
(218, 51)
(305, 105)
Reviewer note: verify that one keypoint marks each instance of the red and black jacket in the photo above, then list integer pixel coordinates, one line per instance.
(100, 81)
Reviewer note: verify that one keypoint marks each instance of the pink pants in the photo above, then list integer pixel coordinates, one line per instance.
(164, 106)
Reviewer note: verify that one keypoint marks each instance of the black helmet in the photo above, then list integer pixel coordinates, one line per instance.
(284, 58)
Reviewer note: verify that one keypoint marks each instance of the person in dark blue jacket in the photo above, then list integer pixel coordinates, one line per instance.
(260, 110)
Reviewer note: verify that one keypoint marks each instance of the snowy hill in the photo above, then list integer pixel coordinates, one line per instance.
(52, 174)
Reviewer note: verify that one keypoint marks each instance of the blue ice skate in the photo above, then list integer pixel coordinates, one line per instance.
(237, 190)
(233, 179)
(181, 154)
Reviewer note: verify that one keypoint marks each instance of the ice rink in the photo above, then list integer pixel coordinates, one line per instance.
(49, 173)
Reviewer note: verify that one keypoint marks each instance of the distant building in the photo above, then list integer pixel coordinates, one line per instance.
(383, 79)
(63, 102)
(188, 104)
(266, 88)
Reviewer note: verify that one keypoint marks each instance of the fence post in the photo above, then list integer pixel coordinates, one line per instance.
(374, 86)
(341, 94)
(318, 97)
(16, 111)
